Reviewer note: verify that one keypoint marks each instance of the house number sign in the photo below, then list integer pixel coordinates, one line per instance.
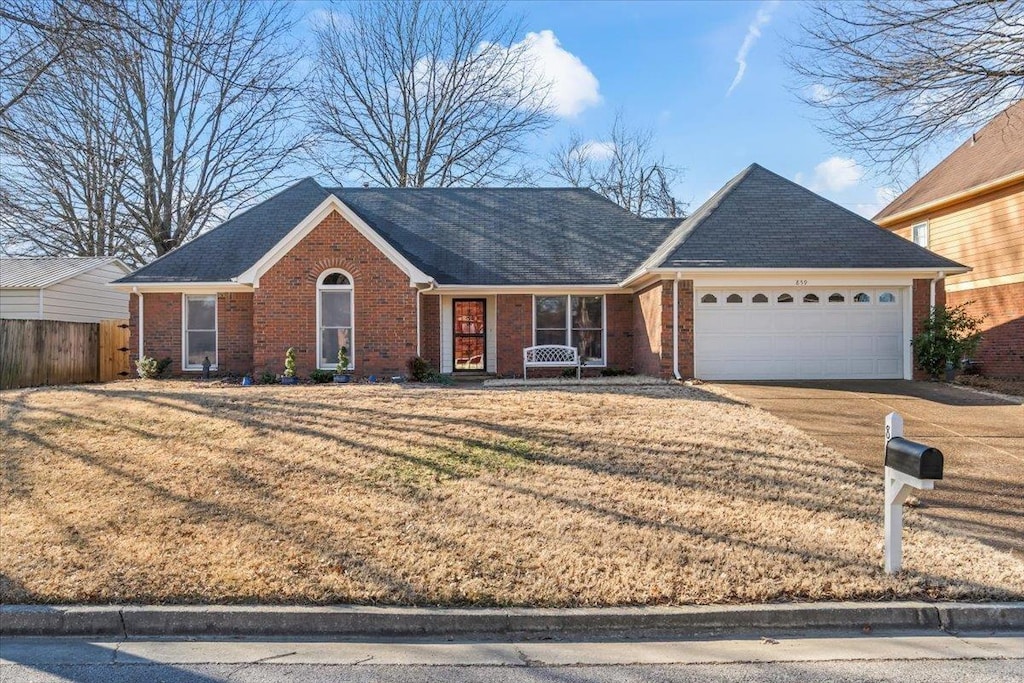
(801, 283)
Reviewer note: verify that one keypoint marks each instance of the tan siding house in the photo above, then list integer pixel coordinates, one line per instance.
(62, 288)
(970, 208)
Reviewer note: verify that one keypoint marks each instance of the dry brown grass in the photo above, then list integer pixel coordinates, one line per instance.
(175, 492)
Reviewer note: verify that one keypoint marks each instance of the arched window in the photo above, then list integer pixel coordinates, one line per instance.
(886, 298)
(709, 299)
(760, 299)
(836, 298)
(334, 318)
(862, 298)
(811, 298)
(734, 299)
(785, 298)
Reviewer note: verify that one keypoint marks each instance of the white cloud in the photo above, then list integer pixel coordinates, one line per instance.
(835, 174)
(761, 19)
(819, 93)
(883, 197)
(572, 87)
(597, 150)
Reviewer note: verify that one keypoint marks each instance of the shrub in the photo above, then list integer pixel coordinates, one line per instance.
(268, 378)
(615, 372)
(343, 362)
(569, 373)
(948, 336)
(148, 368)
(162, 366)
(420, 369)
(321, 376)
(289, 362)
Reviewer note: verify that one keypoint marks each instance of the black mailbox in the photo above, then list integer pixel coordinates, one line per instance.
(915, 459)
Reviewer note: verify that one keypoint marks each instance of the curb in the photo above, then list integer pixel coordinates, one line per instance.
(297, 621)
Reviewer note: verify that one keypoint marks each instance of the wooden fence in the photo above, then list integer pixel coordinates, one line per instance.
(38, 352)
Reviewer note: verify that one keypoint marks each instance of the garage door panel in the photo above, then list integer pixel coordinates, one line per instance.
(800, 340)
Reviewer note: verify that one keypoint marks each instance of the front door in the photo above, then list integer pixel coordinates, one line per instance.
(469, 337)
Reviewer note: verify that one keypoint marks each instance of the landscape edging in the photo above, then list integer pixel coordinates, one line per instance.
(299, 621)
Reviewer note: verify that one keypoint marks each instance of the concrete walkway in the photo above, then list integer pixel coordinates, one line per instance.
(980, 435)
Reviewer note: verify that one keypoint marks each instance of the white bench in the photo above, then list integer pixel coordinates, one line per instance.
(551, 356)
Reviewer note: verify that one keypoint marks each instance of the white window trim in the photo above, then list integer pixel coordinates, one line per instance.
(591, 363)
(927, 233)
(184, 331)
(351, 289)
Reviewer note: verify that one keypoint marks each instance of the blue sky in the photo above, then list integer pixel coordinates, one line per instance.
(670, 66)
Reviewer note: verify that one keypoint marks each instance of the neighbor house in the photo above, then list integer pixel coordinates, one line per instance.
(766, 280)
(72, 289)
(971, 208)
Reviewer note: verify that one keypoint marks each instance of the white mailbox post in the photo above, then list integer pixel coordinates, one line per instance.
(908, 466)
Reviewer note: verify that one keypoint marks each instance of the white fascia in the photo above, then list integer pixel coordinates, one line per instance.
(251, 276)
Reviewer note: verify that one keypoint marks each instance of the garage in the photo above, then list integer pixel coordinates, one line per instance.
(845, 332)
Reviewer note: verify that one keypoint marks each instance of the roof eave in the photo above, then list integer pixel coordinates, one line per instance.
(942, 202)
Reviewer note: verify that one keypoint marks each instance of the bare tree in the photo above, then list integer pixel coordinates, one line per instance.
(61, 191)
(184, 112)
(414, 93)
(209, 102)
(625, 169)
(893, 76)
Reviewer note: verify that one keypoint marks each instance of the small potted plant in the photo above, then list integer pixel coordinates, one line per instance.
(289, 367)
(341, 375)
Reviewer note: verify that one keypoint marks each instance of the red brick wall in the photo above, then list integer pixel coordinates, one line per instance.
(161, 327)
(647, 330)
(922, 309)
(162, 330)
(430, 329)
(515, 332)
(284, 307)
(1001, 352)
(234, 332)
(619, 331)
(685, 329)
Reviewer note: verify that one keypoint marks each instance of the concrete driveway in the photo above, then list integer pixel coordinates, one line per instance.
(981, 437)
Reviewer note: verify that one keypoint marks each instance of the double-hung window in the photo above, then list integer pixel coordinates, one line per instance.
(570, 320)
(919, 233)
(200, 338)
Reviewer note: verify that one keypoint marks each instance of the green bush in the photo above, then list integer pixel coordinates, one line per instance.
(162, 366)
(268, 378)
(289, 362)
(343, 361)
(420, 369)
(948, 336)
(148, 368)
(615, 372)
(321, 376)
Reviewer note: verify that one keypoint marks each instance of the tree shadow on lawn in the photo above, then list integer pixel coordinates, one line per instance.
(319, 413)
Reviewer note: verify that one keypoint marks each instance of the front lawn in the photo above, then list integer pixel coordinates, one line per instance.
(180, 492)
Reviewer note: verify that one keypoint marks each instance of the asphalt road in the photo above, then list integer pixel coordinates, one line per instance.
(905, 657)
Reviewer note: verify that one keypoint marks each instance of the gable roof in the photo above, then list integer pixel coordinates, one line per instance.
(761, 220)
(37, 272)
(463, 236)
(994, 152)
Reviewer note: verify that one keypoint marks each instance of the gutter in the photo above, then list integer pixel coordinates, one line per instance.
(943, 202)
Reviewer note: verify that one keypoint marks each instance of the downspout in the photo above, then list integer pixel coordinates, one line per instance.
(136, 290)
(430, 287)
(675, 327)
(941, 276)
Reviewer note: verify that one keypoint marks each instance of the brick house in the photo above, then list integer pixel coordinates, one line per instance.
(766, 280)
(970, 208)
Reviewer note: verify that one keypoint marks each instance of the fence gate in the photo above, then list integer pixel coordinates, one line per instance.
(114, 360)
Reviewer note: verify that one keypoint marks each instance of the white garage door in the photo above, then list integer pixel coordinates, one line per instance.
(799, 333)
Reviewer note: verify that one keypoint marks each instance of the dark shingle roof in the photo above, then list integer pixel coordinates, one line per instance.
(762, 220)
(509, 236)
(233, 246)
(478, 236)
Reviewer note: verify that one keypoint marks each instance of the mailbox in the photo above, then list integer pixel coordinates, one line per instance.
(916, 459)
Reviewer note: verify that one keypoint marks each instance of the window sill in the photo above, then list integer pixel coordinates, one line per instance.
(197, 368)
